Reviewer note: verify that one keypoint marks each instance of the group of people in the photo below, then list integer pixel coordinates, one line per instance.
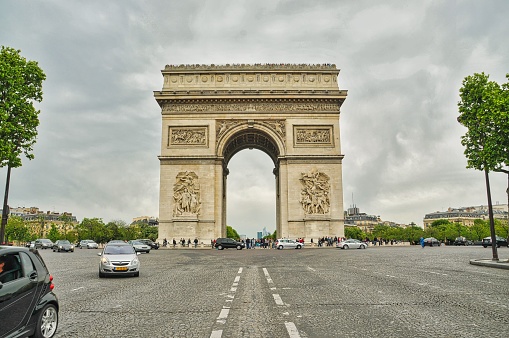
(182, 242)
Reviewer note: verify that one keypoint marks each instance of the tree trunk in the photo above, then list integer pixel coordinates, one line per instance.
(492, 221)
(5, 211)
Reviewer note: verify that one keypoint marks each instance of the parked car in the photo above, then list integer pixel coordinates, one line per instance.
(284, 243)
(28, 306)
(63, 245)
(150, 243)
(501, 241)
(119, 259)
(30, 244)
(462, 241)
(226, 243)
(140, 247)
(88, 244)
(431, 241)
(351, 244)
(43, 243)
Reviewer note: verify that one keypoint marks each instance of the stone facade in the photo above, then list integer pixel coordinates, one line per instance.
(209, 113)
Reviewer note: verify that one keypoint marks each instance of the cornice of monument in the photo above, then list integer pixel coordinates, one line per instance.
(251, 67)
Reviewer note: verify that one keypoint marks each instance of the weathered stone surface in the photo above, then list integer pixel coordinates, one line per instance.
(291, 112)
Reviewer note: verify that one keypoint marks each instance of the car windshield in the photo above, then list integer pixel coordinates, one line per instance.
(118, 250)
(64, 242)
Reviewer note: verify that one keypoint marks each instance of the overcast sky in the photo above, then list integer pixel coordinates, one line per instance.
(402, 63)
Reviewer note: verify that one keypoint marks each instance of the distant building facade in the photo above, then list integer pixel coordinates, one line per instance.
(40, 222)
(365, 222)
(466, 215)
(150, 220)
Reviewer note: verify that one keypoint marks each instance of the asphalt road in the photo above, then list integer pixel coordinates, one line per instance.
(326, 292)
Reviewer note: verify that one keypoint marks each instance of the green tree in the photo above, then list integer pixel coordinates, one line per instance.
(480, 107)
(413, 234)
(20, 85)
(354, 232)
(53, 233)
(479, 230)
(16, 230)
(231, 233)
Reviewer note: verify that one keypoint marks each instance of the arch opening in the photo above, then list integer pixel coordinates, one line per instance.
(250, 139)
(251, 193)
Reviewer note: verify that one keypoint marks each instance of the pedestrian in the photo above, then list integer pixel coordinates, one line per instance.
(174, 243)
(165, 242)
(188, 242)
(421, 240)
(195, 243)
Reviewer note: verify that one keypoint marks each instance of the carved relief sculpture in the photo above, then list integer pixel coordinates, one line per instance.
(188, 136)
(315, 192)
(186, 194)
(321, 135)
(223, 125)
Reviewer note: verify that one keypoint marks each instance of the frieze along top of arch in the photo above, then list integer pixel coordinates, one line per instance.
(256, 66)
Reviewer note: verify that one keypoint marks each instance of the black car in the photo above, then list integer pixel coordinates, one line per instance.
(501, 241)
(63, 245)
(225, 243)
(43, 243)
(150, 243)
(431, 241)
(462, 241)
(28, 306)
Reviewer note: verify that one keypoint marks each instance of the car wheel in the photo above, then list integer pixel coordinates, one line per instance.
(47, 322)
(220, 247)
(239, 247)
(345, 246)
(148, 251)
(280, 247)
(101, 275)
(53, 250)
(298, 247)
(363, 246)
(136, 274)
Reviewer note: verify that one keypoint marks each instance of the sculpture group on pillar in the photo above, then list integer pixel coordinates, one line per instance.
(186, 194)
(315, 192)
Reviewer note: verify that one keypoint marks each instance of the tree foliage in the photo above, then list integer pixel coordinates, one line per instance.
(20, 85)
(481, 112)
(231, 233)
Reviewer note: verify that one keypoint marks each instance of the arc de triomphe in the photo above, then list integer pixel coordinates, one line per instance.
(289, 111)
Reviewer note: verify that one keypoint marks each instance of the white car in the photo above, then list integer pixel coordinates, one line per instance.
(284, 243)
(351, 244)
(88, 244)
(140, 246)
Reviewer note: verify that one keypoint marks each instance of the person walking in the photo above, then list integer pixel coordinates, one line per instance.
(421, 240)
(195, 242)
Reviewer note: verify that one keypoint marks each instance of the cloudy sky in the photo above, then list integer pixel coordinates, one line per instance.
(402, 63)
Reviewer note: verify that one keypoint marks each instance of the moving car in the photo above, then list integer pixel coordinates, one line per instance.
(119, 259)
(88, 244)
(431, 241)
(43, 243)
(140, 247)
(351, 244)
(284, 243)
(150, 243)
(501, 241)
(225, 243)
(462, 241)
(28, 306)
(63, 245)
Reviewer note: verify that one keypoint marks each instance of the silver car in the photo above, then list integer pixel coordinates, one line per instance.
(284, 243)
(351, 244)
(119, 259)
(88, 244)
(140, 247)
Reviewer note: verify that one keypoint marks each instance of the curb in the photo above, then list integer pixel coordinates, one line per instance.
(501, 264)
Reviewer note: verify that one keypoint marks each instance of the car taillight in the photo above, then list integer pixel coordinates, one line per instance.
(51, 285)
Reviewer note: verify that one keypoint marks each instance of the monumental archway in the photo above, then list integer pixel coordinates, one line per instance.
(290, 112)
